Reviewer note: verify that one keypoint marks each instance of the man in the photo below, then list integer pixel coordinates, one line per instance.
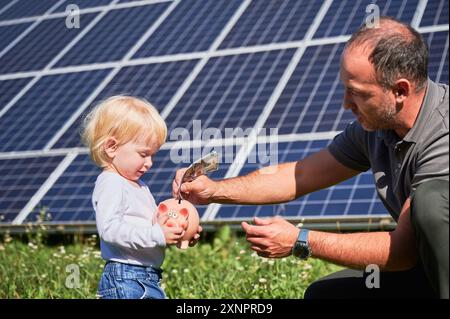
(401, 133)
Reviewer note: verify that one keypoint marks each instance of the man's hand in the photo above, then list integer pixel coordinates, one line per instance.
(198, 192)
(272, 238)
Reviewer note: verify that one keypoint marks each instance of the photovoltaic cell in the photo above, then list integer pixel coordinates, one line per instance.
(346, 16)
(10, 33)
(155, 82)
(435, 13)
(354, 197)
(113, 36)
(37, 116)
(26, 8)
(312, 98)
(269, 21)
(9, 89)
(41, 45)
(191, 27)
(438, 56)
(69, 200)
(21, 178)
(230, 91)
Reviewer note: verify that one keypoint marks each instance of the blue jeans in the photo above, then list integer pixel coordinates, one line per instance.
(125, 281)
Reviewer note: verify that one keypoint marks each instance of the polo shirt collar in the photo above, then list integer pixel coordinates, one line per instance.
(426, 108)
(424, 113)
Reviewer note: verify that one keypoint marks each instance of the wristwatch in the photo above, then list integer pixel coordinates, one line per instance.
(301, 248)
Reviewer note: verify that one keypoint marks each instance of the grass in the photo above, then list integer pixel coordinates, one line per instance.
(223, 267)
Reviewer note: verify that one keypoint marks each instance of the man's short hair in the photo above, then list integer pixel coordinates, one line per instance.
(397, 51)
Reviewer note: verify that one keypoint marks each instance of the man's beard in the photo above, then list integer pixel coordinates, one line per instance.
(386, 119)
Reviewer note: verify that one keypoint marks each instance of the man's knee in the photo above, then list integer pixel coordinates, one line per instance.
(429, 206)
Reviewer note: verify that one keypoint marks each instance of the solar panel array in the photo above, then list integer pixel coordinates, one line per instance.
(226, 63)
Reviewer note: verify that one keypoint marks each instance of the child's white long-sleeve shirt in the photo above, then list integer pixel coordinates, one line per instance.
(126, 222)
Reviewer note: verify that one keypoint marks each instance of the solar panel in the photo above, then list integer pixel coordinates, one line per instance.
(9, 89)
(354, 197)
(38, 115)
(192, 27)
(436, 12)
(70, 197)
(21, 178)
(10, 32)
(438, 57)
(22, 8)
(230, 91)
(113, 36)
(314, 94)
(69, 200)
(155, 82)
(83, 4)
(224, 63)
(40, 46)
(346, 16)
(267, 21)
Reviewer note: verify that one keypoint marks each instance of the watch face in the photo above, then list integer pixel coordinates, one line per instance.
(301, 250)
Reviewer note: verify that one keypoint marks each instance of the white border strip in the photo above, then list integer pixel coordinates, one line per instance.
(110, 76)
(44, 188)
(244, 152)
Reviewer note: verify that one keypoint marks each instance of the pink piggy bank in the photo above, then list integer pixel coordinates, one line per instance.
(182, 214)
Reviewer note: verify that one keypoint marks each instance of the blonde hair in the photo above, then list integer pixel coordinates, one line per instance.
(125, 118)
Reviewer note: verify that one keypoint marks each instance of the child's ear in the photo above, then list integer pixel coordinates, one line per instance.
(184, 212)
(111, 147)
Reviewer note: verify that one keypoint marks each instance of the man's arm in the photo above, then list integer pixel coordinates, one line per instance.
(269, 185)
(391, 251)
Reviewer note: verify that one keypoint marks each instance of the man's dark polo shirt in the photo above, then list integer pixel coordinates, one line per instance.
(400, 165)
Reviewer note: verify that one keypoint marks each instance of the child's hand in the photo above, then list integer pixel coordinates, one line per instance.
(172, 234)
